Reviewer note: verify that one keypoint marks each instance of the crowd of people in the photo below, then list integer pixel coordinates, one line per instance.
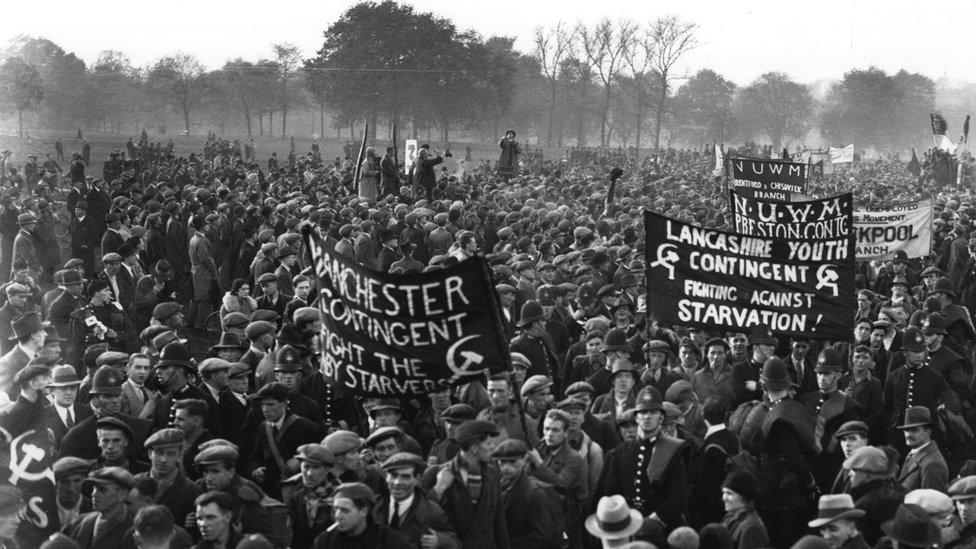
(608, 429)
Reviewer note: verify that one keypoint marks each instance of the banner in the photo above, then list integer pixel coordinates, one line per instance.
(939, 125)
(822, 219)
(842, 155)
(731, 282)
(25, 462)
(769, 179)
(719, 162)
(360, 156)
(395, 335)
(883, 231)
(409, 154)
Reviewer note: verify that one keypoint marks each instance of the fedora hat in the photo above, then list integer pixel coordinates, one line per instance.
(163, 269)
(64, 375)
(614, 519)
(833, 507)
(26, 218)
(916, 416)
(912, 526)
(228, 340)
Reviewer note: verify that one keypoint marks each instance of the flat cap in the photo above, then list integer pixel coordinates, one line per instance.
(963, 488)
(535, 383)
(165, 310)
(112, 358)
(238, 369)
(110, 422)
(570, 403)
(404, 459)
(236, 320)
(266, 278)
(933, 501)
(512, 448)
(472, 431)
(269, 248)
(165, 437)
(580, 387)
(341, 442)
(273, 390)
(213, 365)
(679, 392)
(258, 328)
(382, 434)
(458, 413)
(219, 453)
(266, 315)
(315, 453)
(111, 257)
(850, 428)
(71, 465)
(111, 475)
(17, 289)
(868, 459)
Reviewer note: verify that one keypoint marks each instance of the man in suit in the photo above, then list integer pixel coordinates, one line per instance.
(365, 249)
(176, 492)
(203, 269)
(25, 244)
(278, 436)
(65, 412)
(389, 253)
(27, 411)
(345, 246)
(16, 305)
(137, 399)
(272, 299)
(707, 471)
(924, 466)
(108, 524)
(556, 462)
(468, 488)
(189, 416)
(119, 280)
(408, 510)
(286, 271)
(234, 405)
(106, 400)
(84, 235)
(30, 334)
(112, 239)
(389, 178)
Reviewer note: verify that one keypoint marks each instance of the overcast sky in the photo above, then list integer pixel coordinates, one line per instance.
(741, 40)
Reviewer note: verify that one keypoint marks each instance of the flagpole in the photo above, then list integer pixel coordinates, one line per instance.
(359, 160)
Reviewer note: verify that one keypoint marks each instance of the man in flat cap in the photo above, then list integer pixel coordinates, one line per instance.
(466, 479)
(306, 494)
(277, 439)
(114, 438)
(119, 280)
(109, 522)
(272, 299)
(112, 238)
(353, 505)
(530, 517)
(152, 289)
(30, 334)
(176, 491)
(407, 510)
(873, 489)
(16, 305)
(444, 449)
(27, 411)
(69, 472)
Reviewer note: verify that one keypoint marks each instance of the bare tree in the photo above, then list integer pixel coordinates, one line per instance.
(287, 59)
(551, 48)
(604, 46)
(639, 57)
(181, 79)
(672, 39)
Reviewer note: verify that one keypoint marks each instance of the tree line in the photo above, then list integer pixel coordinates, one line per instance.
(607, 83)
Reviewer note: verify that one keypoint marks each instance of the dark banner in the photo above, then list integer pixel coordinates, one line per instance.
(26, 463)
(768, 179)
(732, 282)
(395, 335)
(825, 219)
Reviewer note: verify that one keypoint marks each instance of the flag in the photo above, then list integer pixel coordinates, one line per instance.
(817, 169)
(939, 125)
(359, 159)
(913, 165)
(944, 143)
(786, 154)
(965, 130)
(719, 163)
